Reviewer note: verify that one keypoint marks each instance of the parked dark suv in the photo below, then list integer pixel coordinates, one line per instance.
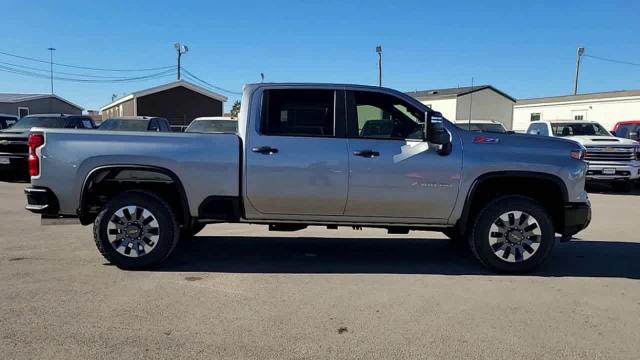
(14, 148)
(136, 123)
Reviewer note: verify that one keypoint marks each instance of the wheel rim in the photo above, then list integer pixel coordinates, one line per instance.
(515, 236)
(133, 231)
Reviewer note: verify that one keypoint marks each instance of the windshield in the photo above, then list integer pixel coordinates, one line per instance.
(27, 123)
(124, 125)
(486, 127)
(576, 129)
(226, 126)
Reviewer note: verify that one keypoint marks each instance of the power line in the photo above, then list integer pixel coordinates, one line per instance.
(207, 84)
(60, 72)
(82, 67)
(612, 60)
(158, 75)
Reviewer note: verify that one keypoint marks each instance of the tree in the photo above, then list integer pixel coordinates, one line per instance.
(235, 109)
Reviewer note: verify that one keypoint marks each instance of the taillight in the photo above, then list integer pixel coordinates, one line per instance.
(578, 154)
(35, 141)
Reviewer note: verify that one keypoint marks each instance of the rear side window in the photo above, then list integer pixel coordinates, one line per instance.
(538, 129)
(298, 113)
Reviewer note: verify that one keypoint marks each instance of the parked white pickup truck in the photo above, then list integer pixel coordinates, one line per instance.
(611, 159)
(315, 154)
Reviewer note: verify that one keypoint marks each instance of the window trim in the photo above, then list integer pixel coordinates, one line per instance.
(23, 108)
(339, 119)
(352, 116)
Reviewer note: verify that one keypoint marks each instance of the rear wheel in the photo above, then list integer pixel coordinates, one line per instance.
(512, 234)
(135, 230)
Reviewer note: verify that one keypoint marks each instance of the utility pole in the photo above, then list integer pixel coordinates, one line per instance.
(51, 50)
(181, 49)
(579, 54)
(379, 51)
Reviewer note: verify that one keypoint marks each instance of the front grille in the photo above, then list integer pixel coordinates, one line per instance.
(18, 147)
(610, 153)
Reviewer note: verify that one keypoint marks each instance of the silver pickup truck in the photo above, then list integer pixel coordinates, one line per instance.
(315, 154)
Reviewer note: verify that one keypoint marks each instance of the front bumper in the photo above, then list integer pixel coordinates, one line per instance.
(628, 171)
(14, 164)
(41, 200)
(577, 217)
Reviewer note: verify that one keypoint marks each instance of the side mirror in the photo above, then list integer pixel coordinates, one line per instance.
(435, 132)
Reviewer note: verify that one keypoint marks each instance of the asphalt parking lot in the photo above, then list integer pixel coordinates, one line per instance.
(242, 292)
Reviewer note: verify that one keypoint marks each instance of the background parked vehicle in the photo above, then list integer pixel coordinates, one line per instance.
(611, 159)
(136, 123)
(14, 149)
(481, 125)
(213, 124)
(627, 129)
(7, 120)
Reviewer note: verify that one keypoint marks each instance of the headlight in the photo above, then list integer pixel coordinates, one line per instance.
(578, 154)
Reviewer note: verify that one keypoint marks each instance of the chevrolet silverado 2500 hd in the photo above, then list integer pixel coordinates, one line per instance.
(315, 154)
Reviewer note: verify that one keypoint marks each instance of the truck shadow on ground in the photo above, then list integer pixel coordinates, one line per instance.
(312, 255)
(608, 190)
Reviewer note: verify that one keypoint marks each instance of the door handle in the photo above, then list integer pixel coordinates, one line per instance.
(266, 150)
(366, 153)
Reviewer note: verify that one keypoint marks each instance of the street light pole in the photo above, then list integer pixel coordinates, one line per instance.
(579, 54)
(379, 51)
(181, 49)
(51, 50)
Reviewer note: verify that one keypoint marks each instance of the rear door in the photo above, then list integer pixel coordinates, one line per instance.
(394, 172)
(296, 161)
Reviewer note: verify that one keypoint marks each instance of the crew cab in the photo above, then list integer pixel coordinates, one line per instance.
(13, 140)
(611, 159)
(315, 155)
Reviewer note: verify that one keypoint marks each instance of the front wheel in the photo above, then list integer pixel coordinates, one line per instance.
(512, 234)
(135, 230)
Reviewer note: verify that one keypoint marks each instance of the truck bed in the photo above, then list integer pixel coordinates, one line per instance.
(207, 164)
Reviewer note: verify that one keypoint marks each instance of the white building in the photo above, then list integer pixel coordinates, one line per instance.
(484, 102)
(605, 107)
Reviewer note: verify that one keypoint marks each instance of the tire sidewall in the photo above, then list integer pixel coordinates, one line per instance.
(166, 223)
(486, 217)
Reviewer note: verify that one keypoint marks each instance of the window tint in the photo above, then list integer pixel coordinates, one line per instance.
(44, 122)
(124, 125)
(623, 130)
(538, 129)
(298, 112)
(384, 116)
(574, 129)
(535, 117)
(87, 124)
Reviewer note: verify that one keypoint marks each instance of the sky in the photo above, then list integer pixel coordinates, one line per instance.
(526, 49)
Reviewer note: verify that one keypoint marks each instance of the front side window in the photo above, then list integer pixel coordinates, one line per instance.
(383, 116)
(298, 112)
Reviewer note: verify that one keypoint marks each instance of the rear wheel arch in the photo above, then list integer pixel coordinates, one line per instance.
(153, 179)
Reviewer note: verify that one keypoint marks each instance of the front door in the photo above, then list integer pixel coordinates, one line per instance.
(296, 162)
(393, 172)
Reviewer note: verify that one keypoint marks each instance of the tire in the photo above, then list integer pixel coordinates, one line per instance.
(622, 186)
(187, 233)
(136, 230)
(513, 247)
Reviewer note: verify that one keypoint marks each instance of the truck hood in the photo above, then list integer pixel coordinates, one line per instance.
(601, 140)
